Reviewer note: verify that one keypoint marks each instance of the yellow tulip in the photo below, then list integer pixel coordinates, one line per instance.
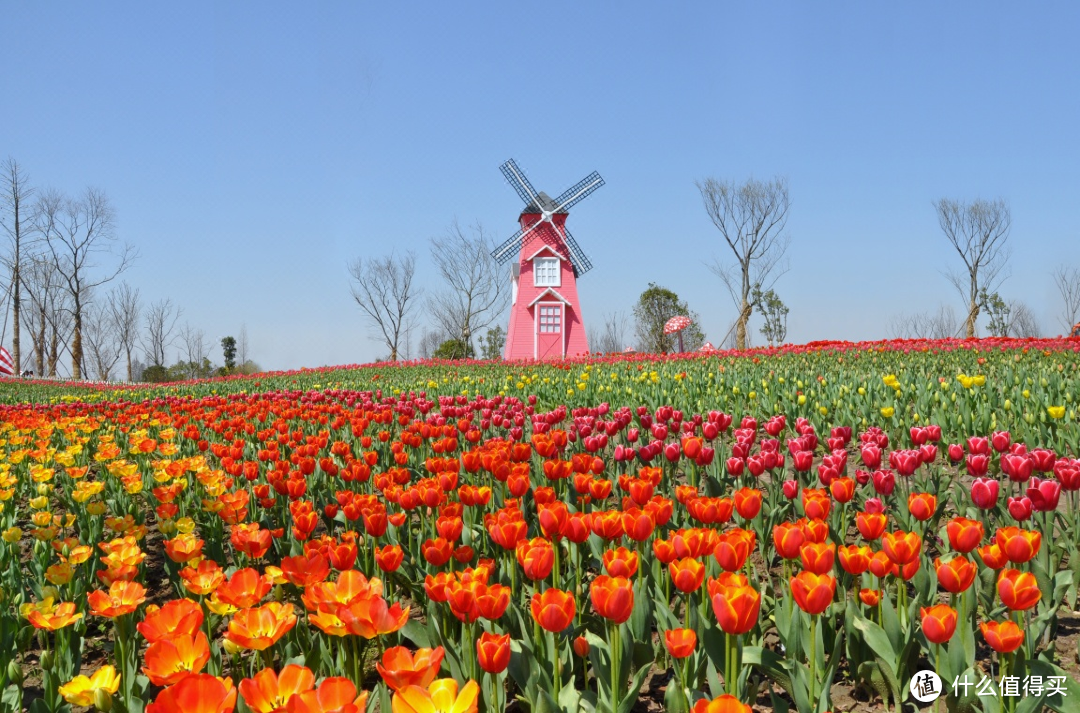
(83, 690)
(887, 411)
(1056, 411)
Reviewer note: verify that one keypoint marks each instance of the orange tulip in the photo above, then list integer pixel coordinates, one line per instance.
(442, 696)
(956, 575)
(902, 547)
(922, 505)
(621, 562)
(1003, 637)
(437, 552)
(855, 559)
(334, 695)
(813, 592)
(816, 503)
(169, 660)
(726, 703)
(733, 549)
(788, 538)
(536, 557)
(736, 607)
(197, 693)
(964, 534)
(870, 597)
(906, 571)
(680, 643)
(1018, 590)
(815, 530)
(842, 489)
(612, 597)
(880, 564)
(269, 692)
(305, 570)
(122, 598)
(687, 574)
(938, 623)
(871, 524)
(389, 557)
(992, 556)
(183, 548)
(1018, 545)
(371, 617)
(54, 617)
(553, 609)
(244, 589)
(179, 617)
(748, 503)
(250, 539)
(493, 652)
(401, 667)
(260, 628)
(204, 579)
(818, 557)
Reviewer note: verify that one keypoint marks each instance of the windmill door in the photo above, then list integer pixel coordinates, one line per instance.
(550, 321)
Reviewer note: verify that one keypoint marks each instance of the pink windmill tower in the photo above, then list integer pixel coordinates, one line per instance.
(545, 314)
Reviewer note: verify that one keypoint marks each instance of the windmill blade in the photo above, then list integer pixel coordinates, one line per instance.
(578, 192)
(578, 258)
(517, 180)
(502, 253)
(512, 244)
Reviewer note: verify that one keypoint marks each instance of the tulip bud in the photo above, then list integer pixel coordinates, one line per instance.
(581, 646)
(48, 658)
(102, 700)
(791, 489)
(14, 672)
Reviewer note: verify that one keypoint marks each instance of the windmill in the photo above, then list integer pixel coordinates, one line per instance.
(545, 315)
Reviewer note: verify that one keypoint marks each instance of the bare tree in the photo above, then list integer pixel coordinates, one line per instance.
(925, 325)
(610, 336)
(161, 318)
(751, 217)
(383, 287)
(48, 318)
(196, 348)
(242, 354)
(16, 223)
(125, 313)
(102, 348)
(1067, 281)
(429, 342)
(477, 290)
(978, 231)
(78, 232)
(1022, 321)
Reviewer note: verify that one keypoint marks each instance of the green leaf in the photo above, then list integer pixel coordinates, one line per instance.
(878, 641)
(417, 633)
(675, 698)
(631, 695)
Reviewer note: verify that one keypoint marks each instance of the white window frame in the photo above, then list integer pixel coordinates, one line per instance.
(549, 264)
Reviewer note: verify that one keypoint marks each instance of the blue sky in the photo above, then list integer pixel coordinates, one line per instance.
(252, 150)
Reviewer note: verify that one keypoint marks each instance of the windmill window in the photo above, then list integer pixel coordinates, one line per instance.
(550, 320)
(546, 272)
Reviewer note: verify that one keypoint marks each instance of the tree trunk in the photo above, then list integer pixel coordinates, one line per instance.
(128, 364)
(54, 351)
(39, 346)
(16, 350)
(740, 329)
(76, 345)
(973, 315)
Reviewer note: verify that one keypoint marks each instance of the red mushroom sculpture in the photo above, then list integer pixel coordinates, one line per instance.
(676, 325)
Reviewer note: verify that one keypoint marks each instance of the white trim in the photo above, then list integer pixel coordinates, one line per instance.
(549, 249)
(547, 292)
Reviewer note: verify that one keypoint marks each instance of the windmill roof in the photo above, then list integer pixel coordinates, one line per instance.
(545, 201)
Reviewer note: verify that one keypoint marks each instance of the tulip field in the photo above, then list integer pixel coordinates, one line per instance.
(809, 528)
